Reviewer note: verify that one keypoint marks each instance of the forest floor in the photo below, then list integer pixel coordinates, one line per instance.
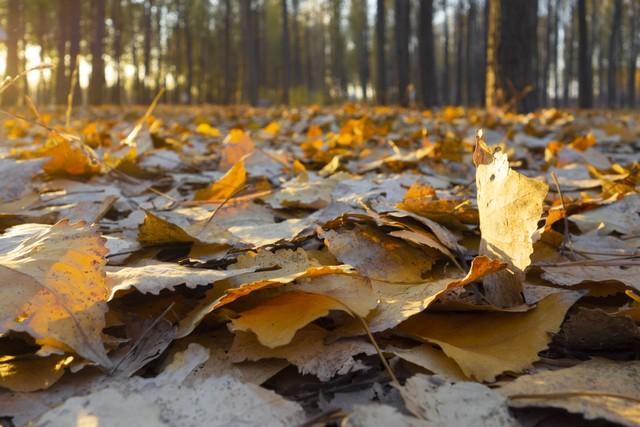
(316, 266)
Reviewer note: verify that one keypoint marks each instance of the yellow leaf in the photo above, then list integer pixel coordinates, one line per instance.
(225, 187)
(54, 289)
(272, 128)
(69, 158)
(276, 320)
(236, 145)
(510, 205)
(208, 130)
(32, 373)
(487, 344)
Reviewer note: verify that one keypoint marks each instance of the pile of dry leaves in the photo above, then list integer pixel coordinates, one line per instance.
(319, 266)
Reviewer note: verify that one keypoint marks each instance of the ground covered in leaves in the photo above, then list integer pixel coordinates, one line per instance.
(319, 266)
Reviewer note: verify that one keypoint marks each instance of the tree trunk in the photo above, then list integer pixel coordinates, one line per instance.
(97, 84)
(633, 55)
(61, 45)
(614, 54)
(402, 31)
(228, 87)
(338, 66)
(556, 67)
(11, 94)
(428, 83)
(568, 68)
(297, 52)
(469, 60)
(511, 54)
(188, 50)
(148, 36)
(250, 69)
(585, 80)
(116, 18)
(459, 41)
(286, 65)
(75, 12)
(547, 55)
(381, 70)
(446, 82)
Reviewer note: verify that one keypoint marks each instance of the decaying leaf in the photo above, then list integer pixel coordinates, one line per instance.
(54, 289)
(460, 404)
(595, 389)
(378, 256)
(32, 373)
(509, 205)
(432, 359)
(152, 278)
(307, 351)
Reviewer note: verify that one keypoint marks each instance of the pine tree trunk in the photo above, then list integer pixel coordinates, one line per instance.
(11, 94)
(459, 41)
(97, 83)
(116, 18)
(286, 63)
(428, 83)
(226, 60)
(633, 55)
(297, 52)
(62, 35)
(511, 52)
(381, 70)
(585, 80)
(446, 82)
(402, 31)
(614, 54)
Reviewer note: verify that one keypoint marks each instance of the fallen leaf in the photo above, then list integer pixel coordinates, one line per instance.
(26, 374)
(226, 187)
(460, 404)
(377, 256)
(431, 359)
(307, 351)
(55, 289)
(487, 344)
(152, 278)
(510, 205)
(596, 389)
(276, 320)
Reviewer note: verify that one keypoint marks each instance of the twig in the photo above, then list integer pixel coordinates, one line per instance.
(224, 202)
(138, 127)
(567, 237)
(72, 88)
(579, 393)
(141, 337)
(394, 379)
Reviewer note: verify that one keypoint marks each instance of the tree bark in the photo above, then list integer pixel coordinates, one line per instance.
(511, 54)
(188, 37)
(402, 31)
(297, 52)
(146, 52)
(614, 54)
(226, 60)
(97, 84)
(61, 46)
(428, 85)
(459, 41)
(250, 66)
(116, 18)
(11, 94)
(286, 63)
(381, 70)
(585, 79)
(446, 82)
(633, 55)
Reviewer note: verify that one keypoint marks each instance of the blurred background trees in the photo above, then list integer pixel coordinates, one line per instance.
(521, 54)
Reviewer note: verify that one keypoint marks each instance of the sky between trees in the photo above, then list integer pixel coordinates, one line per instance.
(522, 54)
